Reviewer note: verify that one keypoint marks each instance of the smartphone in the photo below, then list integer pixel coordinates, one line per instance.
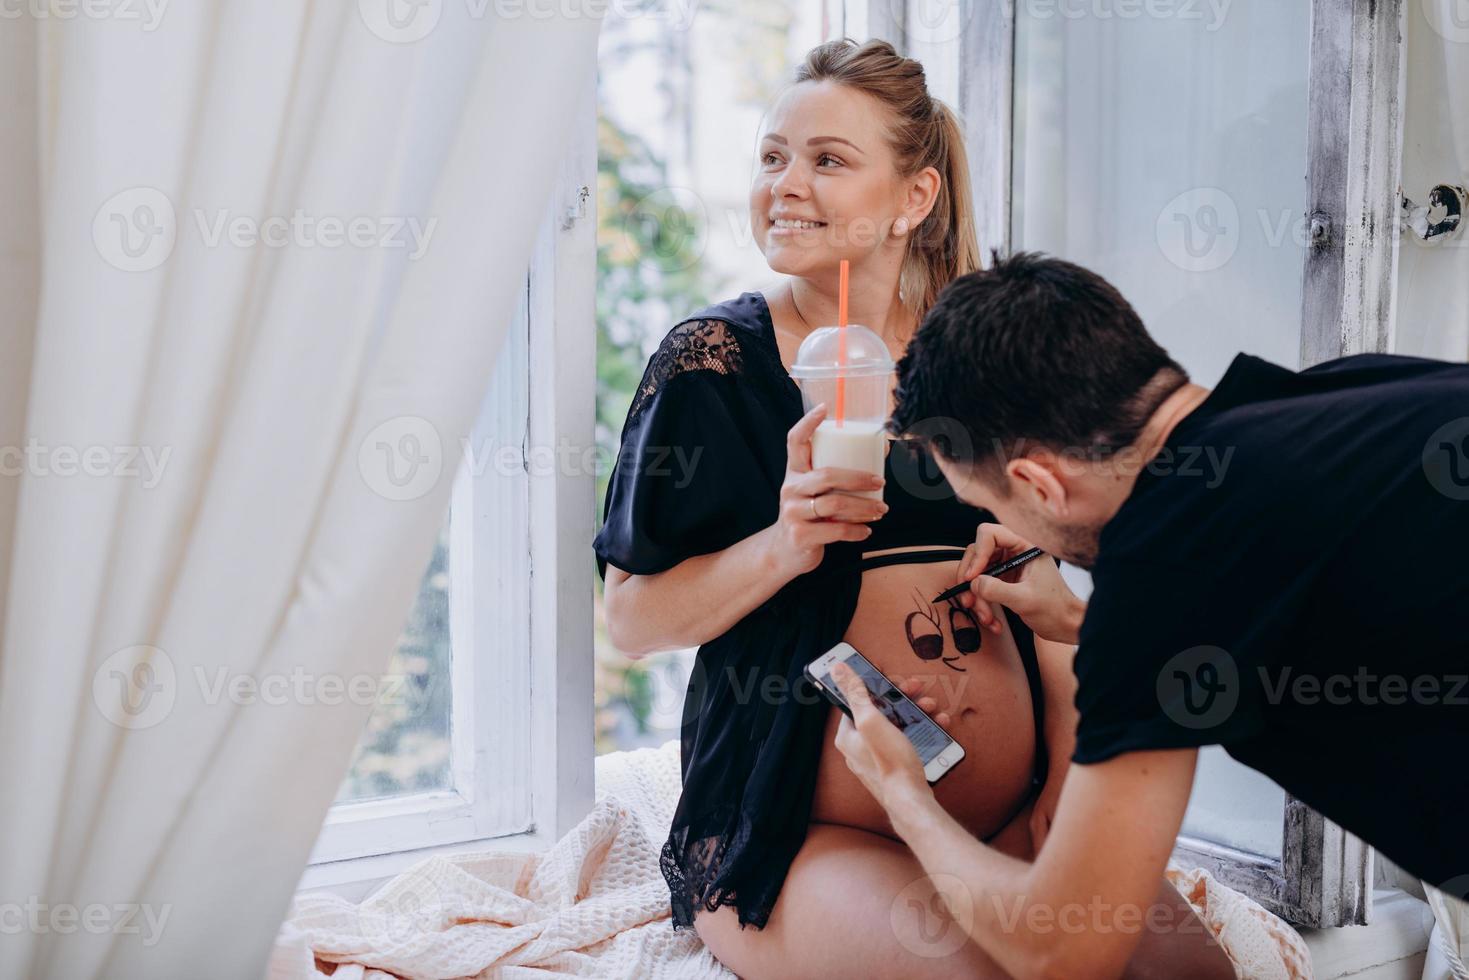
(938, 752)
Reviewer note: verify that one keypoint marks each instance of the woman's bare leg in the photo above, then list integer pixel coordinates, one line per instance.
(854, 904)
(1178, 945)
(859, 904)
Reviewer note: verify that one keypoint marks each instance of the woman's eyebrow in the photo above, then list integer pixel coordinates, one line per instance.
(777, 138)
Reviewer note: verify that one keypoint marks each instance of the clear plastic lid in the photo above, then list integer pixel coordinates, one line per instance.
(820, 356)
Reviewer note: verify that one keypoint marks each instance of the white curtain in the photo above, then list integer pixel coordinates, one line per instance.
(1433, 303)
(1433, 281)
(1448, 948)
(190, 490)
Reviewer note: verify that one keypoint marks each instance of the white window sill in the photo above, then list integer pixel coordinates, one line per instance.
(1392, 947)
(357, 878)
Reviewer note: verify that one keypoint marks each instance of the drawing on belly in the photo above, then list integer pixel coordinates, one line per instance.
(964, 627)
(927, 636)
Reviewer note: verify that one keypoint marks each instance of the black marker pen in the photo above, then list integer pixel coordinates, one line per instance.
(1000, 568)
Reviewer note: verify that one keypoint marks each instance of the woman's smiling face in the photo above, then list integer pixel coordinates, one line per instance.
(826, 186)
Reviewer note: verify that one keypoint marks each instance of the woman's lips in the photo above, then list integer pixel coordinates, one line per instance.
(785, 229)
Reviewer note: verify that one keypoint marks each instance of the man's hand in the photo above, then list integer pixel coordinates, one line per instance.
(1035, 590)
(876, 752)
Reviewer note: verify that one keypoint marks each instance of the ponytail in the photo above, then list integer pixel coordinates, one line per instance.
(926, 133)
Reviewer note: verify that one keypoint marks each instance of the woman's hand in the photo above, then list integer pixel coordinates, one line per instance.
(913, 687)
(814, 509)
(1035, 590)
(876, 752)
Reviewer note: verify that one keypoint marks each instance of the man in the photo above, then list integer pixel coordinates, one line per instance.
(1278, 566)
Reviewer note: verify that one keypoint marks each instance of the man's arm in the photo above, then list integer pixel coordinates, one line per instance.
(1080, 909)
(1059, 684)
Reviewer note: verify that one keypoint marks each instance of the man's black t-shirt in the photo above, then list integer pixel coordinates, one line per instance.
(1289, 578)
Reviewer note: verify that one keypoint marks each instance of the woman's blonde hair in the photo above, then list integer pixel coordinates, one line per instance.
(925, 133)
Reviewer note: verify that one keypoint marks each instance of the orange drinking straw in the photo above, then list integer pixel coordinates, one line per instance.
(841, 406)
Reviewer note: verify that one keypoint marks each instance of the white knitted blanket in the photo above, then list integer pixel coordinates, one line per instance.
(1262, 945)
(595, 905)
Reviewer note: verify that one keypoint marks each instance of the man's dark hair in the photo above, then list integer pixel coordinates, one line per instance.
(1031, 351)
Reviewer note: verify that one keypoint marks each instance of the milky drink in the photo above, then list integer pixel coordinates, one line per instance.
(852, 445)
(851, 370)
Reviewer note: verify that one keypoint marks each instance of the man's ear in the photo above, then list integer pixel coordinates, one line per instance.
(1039, 476)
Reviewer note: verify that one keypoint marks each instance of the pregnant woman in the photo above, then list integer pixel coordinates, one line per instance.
(718, 534)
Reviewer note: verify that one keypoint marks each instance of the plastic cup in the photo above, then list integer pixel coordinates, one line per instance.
(858, 440)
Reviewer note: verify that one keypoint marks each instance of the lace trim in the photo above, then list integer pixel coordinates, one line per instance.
(729, 863)
(695, 869)
(694, 345)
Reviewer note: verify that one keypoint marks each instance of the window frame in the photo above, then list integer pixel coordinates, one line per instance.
(1324, 876)
(487, 599)
(536, 597)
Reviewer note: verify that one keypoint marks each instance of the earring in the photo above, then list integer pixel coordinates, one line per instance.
(900, 227)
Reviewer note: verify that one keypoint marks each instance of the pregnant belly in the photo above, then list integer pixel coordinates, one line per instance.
(976, 676)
